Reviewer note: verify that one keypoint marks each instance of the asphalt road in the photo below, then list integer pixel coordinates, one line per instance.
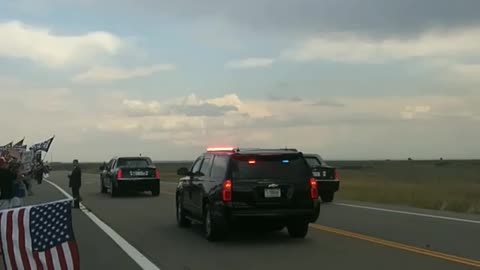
(344, 237)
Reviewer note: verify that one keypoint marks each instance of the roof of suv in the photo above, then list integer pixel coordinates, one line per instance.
(252, 151)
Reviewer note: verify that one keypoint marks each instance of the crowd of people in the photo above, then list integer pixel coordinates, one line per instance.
(16, 183)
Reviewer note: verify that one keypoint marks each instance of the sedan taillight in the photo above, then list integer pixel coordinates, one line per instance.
(119, 174)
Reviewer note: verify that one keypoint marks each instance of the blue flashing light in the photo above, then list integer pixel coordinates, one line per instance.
(285, 161)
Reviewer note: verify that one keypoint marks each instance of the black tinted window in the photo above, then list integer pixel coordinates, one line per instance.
(269, 166)
(133, 162)
(313, 162)
(219, 168)
(196, 165)
(206, 166)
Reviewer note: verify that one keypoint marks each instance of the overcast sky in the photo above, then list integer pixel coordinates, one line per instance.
(352, 79)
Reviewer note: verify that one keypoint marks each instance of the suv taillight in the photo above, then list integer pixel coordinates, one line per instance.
(337, 175)
(157, 173)
(227, 191)
(313, 189)
(119, 174)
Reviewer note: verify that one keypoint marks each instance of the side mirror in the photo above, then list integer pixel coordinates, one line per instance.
(183, 171)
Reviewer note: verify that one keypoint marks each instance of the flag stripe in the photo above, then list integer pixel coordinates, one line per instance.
(55, 258)
(28, 239)
(38, 261)
(11, 254)
(2, 237)
(48, 256)
(68, 256)
(15, 240)
(61, 258)
(43, 259)
(6, 258)
(75, 256)
(21, 241)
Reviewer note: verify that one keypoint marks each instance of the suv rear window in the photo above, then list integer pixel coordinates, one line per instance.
(134, 162)
(269, 167)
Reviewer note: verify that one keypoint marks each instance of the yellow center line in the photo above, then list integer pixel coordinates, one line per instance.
(397, 245)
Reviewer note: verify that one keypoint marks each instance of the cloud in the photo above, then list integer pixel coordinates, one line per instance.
(106, 74)
(350, 47)
(40, 45)
(250, 63)
(374, 18)
(187, 106)
(412, 112)
(466, 71)
(328, 103)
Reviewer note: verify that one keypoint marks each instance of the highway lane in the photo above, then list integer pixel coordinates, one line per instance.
(148, 223)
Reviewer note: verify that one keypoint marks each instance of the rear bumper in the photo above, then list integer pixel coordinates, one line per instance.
(229, 215)
(138, 184)
(328, 185)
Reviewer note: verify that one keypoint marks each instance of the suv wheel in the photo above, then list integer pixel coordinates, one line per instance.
(213, 231)
(182, 221)
(327, 196)
(298, 229)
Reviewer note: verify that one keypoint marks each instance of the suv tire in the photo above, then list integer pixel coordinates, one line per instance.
(213, 231)
(298, 229)
(182, 220)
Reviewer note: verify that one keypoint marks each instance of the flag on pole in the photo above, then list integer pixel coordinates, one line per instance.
(39, 237)
(43, 146)
(6, 146)
(20, 143)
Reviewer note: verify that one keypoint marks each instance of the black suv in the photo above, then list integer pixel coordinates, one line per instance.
(129, 174)
(226, 186)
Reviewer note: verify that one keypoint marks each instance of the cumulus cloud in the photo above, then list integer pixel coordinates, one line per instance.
(250, 63)
(42, 46)
(350, 47)
(106, 74)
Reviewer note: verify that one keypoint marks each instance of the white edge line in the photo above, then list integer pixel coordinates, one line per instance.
(131, 251)
(409, 213)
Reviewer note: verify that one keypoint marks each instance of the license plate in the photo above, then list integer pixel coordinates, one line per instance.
(273, 193)
(139, 173)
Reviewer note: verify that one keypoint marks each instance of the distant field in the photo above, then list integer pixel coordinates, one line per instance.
(444, 185)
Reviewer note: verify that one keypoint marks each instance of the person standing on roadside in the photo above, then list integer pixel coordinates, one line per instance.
(75, 183)
(7, 180)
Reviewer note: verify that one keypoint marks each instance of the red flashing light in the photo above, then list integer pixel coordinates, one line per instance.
(252, 162)
(313, 189)
(212, 149)
(227, 191)
(157, 173)
(119, 174)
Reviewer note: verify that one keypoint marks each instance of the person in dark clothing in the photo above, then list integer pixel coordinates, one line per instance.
(7, 180)
(75, 183)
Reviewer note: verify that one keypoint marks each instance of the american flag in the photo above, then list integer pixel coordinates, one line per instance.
(39, 237)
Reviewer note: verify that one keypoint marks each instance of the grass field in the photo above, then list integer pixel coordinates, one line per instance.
(444, 185)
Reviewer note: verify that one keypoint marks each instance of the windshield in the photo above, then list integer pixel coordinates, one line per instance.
(291, 167)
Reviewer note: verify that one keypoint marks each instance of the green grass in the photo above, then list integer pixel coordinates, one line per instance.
(442, 185)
